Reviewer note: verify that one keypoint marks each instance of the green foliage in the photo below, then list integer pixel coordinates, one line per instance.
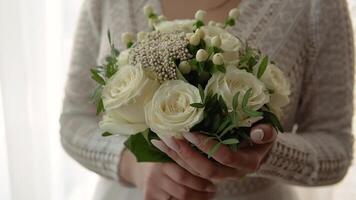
(197, 105)
(198, 24)
(97, 76)
(140, 145)
(230, 141)
(269, 117)
(229, 22)
(262, 67)
(214, 149)
(106, 134)
(101, 74)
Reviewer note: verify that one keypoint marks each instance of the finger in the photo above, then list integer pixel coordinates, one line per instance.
(172, 154)
(182, 192)
(206, 168)
(263, 133)
(183, 177)
(241, 161)
(154, 192)
(158, 195)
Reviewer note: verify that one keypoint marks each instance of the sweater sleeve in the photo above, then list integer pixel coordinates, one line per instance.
(80, 135)
(320, 152)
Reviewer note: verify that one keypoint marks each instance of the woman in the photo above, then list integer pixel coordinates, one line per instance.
(310, 40)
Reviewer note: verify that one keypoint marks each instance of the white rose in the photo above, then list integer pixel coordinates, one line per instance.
(275, 81)
(237, 80)
(123, 58)
(124, 97)
(229, 42)
(169, 112)
(118, 121)
(176, 25)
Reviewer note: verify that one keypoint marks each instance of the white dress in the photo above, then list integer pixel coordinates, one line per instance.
(310, 40)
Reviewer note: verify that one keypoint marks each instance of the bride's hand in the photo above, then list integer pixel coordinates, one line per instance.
(164, 180)
(229, 164)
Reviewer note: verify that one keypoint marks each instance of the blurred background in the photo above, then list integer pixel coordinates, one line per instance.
(35, 48)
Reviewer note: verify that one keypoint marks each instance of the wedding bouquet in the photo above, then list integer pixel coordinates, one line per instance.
(187, 76)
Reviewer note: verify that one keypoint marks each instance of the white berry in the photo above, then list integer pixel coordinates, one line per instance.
(216, 41)
(185, 67)
(194, 39)
(127, 38)
(202, 55)
(147, 10)
(200, 33)
(234, 13)
(200, 15)
(218, 59)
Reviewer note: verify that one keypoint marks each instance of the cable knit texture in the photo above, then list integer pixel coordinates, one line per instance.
(310, 40)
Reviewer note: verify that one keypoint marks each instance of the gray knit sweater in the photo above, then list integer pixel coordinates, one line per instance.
(310, 40)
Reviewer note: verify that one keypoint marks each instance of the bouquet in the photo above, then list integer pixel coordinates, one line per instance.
(187, 76)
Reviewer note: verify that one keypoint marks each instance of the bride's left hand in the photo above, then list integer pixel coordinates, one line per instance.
(229, 164)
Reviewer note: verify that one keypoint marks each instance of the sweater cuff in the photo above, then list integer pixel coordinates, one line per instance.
(290, 158)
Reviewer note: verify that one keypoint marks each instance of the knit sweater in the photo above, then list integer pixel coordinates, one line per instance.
(310, 40)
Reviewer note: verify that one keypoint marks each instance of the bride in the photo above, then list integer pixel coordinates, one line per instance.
(309, 39)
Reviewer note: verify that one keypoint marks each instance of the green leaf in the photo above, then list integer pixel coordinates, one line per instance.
(246, 97)
(97, 77)
(235, 101)
(234, 117)
(220, 68)
(224, 124)
(145, 134)
(96, 95)
(222, 104)
(270, 91)
(198, 24)
(109, 37)
(273, 119)
(106, 134)
(262, 67)
(129, 45)
(230, 141)
(100, 107)
(252, 113)
(214, 149)
(180, 76)
(153, 16)
(230, 22)
(200, 67)
(143, 150)
(227, 129)
(201, 92)
(197, 105)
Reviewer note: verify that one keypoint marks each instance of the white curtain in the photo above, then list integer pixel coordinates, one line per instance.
(35, 44)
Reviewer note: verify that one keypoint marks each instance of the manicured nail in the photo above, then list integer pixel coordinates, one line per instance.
(171, 143)
(257, 135)
(191, 137)
(159, 145)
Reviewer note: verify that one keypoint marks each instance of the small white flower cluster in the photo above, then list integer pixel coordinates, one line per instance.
(158, 76)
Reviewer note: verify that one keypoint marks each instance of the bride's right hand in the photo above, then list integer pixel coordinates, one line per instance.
(164, 180)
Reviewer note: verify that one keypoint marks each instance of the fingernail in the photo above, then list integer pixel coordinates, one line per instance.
(191, 137)
(257, 135)
(159, 145)
(171, 143)
(211, 188)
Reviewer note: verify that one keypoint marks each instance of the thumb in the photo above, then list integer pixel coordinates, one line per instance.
(263, 133)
